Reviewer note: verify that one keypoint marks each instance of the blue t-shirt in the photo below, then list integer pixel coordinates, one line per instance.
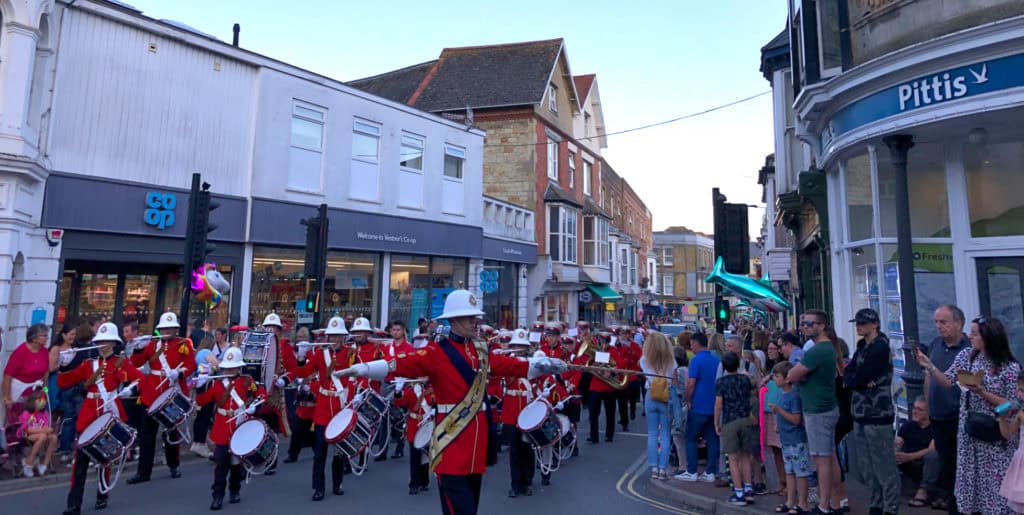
(703, 368)
(796, 356)
(790, 434)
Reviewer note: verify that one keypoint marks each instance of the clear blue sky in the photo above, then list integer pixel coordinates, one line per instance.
(654, 60)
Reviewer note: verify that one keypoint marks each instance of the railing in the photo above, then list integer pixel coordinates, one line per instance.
(506, 220)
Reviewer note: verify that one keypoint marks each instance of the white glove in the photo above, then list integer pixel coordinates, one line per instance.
(417, 389)
(202, 379)
(251, 410)
(66, 356)
(399, 384)
(172, 375)
(298, 381)
(238, 411)
(545, 366)
(559, 405)
(280, 382)
(301, 349)
(304, 388)
(125, 393)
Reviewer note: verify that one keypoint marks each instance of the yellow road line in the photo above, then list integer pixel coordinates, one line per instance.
(632, 473)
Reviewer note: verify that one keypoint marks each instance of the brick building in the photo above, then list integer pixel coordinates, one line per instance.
(545, 132)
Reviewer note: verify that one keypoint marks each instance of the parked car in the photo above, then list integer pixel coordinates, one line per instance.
(673, 330)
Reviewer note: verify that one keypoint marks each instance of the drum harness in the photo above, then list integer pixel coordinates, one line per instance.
(544, 455)
(105, 485)
(185, 427)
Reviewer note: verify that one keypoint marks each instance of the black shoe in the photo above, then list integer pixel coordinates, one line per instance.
(625, 428)
(291, 459)
(528, 491)
(414, 490)
(73, 511)
(397, 456)
(234, 498)
(175, 473)
(382, 457)
(592, 440)
(217, 504)
(318, 495)
(270, 472)
(101, 504)
(424, 488)
(544, 481)
(136, 479)
(609, 439)
(512, 493)
(338, 490)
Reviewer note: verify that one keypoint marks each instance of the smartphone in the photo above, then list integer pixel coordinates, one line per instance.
(1005, 407)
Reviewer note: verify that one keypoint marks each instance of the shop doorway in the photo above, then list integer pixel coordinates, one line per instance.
(1001, 292)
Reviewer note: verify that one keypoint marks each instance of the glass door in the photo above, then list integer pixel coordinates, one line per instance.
(140, 300)
(1001, 292)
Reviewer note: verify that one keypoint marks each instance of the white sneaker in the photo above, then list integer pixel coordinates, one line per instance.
(27, 471)
(707, 477)
(42, 470)
(686, 476)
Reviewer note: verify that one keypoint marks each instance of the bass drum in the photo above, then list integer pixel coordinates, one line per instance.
(106, 439)
(254, 445)
(538, 423)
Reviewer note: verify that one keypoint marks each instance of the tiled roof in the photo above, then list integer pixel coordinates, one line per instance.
(398, 85)
(556, 194)
(583, 84)
(478, 77)
(591, 208)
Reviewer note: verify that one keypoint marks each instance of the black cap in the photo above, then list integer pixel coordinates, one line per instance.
(866, 316)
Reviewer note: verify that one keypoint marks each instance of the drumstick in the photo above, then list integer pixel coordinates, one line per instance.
(131, 385)
(164, 380)
(591, 368)
(255, 403)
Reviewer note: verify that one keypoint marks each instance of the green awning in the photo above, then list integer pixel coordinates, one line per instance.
(603, 291)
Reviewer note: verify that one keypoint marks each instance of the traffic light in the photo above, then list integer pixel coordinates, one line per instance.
(200, 226)
(722, 311)
(311, 306)
(312, 259)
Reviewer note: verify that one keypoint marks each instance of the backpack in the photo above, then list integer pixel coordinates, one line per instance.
(659, 389)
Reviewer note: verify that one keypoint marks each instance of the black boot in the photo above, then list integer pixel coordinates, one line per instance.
(136, 479)
(545, 481)
(73, 511)
(175, 473)
(318, 495)
(217, 504)
(338, 490)
(235, 498)
(101, 503)
(291, 459)
(413, 490)
(512, 493)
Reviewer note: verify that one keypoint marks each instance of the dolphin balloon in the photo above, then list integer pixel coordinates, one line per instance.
(209, 285)
(758, 292)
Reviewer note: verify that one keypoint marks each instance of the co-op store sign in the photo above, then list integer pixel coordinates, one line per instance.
(928, 90)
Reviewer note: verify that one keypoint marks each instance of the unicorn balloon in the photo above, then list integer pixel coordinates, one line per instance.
(208, 285)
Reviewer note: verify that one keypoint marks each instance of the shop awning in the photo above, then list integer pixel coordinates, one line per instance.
(603, 291)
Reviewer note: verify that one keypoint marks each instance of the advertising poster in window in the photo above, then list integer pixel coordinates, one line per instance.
(419, 305)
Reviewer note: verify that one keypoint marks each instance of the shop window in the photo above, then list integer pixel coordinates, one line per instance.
(410, 175)
(864, 287)
(305, 158)
(409, 291)
(994, 183)
(500, 306)
(452, 186)
(97, 295)
(556, 307)
(140, 302)
(926, 177)
(365, 172)
(859, 205)
(933, 279)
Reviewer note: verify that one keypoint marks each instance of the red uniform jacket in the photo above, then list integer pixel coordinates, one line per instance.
(112, 372)
(178, 352)
(518, 393)
(327, 403)
(555, 352)
(224, 421)
(597, 385)
(468, 453)
(414, 406)
(558, 391)
(368, 352)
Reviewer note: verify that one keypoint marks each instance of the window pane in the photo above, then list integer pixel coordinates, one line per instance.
(368, 128)
(864, 288)
(454, 151)
(306, 133)
(364, 147)
(588, 227)
(994, 185)
(409, 291)
(306, 112)
(926, 174)
(933, 279)
(589, 253)
(452, 167)
(304, 169)
(411, 153)
(552, 159)
(858, 197)
(828, 18)
(553, 223)
(553, 250)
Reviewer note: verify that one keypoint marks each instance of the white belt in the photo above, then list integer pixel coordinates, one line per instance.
(94, 395)
(448, 408)
(225, 412)
(517, 393)
(331, 393)
(158, 373)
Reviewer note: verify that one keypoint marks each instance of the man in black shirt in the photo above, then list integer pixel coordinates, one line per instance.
(944, 403)
(915, 453)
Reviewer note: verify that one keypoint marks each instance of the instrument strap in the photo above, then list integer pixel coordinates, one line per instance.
(235, 397)
(330, 370)
(97, 373)
(527, 389)
(465, 411)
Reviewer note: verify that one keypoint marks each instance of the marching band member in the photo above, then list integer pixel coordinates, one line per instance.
(458, 367)
(631, 351)
(234, 397)
(552, 387)
(399, 345)
(518, 393)
(369, 350)
(417, 400)
(332, 395)
(101, 376)
(601, 394)
(552, 344)
(171, 359)
(283, 404)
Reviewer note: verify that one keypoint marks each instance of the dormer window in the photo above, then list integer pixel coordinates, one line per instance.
(552, 98)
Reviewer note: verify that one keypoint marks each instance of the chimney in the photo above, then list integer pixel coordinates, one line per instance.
(234, 39)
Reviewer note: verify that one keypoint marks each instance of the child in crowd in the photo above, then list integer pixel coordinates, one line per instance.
(1012, 422)
(733, 423)
(34, 426)
(793, 437)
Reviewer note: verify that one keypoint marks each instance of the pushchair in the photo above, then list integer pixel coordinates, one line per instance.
(14, 448)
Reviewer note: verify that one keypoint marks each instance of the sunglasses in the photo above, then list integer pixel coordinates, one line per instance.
(980, 320)
(809, 323)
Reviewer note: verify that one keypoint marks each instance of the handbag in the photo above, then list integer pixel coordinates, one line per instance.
(981, 426)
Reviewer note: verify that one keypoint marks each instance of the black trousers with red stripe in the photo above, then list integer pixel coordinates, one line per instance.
(460, 495)
(79, 470)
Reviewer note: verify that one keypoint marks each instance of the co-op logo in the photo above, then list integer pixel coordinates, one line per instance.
(160, 209)
(939, 88)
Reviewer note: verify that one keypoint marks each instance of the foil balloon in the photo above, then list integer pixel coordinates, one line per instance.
(208, 285)
(758, 292)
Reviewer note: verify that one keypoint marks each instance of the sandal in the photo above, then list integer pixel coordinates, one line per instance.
(918, 502)
(782, 508)
(940, 504)
(655, 474)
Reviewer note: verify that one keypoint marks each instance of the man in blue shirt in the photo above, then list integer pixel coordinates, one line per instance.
(700, 396)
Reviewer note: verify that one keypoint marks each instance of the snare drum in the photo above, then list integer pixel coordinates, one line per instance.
(373, 407)
(350, 432)
(171, 409)
(423, 434)
(538, 423)
(254, 444)
(106, 439)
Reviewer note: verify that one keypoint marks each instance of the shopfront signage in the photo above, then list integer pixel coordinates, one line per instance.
(928, 90)
(386, 237)
(510, 251)
(585, 297)
(159, 211)
(609, 306)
